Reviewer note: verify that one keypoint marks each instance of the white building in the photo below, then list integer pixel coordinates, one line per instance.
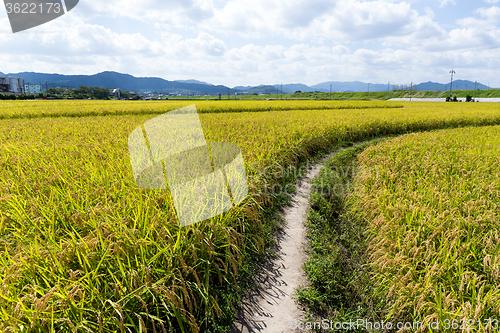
(114, 92)
(12, 85)
(32, 88)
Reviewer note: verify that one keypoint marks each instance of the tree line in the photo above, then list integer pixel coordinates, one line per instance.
(83, 92)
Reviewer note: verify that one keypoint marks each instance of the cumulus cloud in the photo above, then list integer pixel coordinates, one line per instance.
(338, 21)
(491, 14)
(476, 33)
(205, 44)
(165, 14)
(237, 42)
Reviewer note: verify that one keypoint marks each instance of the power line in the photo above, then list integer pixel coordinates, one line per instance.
(451, 83)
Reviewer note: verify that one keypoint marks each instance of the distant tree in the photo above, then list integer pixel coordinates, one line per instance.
(298, 92)
(85, 92)
(125, 94)
(82, 92)
(99, 93)
(25, 97)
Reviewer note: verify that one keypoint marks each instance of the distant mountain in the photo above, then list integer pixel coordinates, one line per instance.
(122, 81)
(159, 85)
(241, 88)
(262, 89)
(457, 85)
(355, 86)
(194, 81)
(293, 87)
(322, 87)
(358, 86)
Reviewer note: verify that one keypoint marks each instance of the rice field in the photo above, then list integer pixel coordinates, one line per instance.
(85, 250)
(79, 108)
(432, 211)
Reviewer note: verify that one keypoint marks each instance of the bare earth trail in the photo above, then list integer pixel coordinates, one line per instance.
(271, 307)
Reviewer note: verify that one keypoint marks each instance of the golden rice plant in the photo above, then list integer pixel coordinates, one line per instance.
(432, 210)
(78, 108)
(84, 249)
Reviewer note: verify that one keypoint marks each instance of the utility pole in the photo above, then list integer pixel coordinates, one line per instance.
(451, 83)
(475, 84)
(330, 92)
(388, 84)
(368, 87)
(411, 90)
(282, 91)
(227, 93)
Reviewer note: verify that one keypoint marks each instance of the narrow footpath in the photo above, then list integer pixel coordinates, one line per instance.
(271, 308)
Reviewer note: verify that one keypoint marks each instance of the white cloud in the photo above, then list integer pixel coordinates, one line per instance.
(491, 14)
(317, 21)
(430, 12)
(237, 42)
(165, 14)
(445, 2)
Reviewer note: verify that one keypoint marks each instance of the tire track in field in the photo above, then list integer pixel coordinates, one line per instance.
(271, 307)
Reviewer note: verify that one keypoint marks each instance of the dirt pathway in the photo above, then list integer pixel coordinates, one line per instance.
(271, 307)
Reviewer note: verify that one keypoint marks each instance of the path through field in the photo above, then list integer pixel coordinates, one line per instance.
(271, 307)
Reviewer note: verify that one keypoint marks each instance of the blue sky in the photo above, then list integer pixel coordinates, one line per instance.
(238, 42)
